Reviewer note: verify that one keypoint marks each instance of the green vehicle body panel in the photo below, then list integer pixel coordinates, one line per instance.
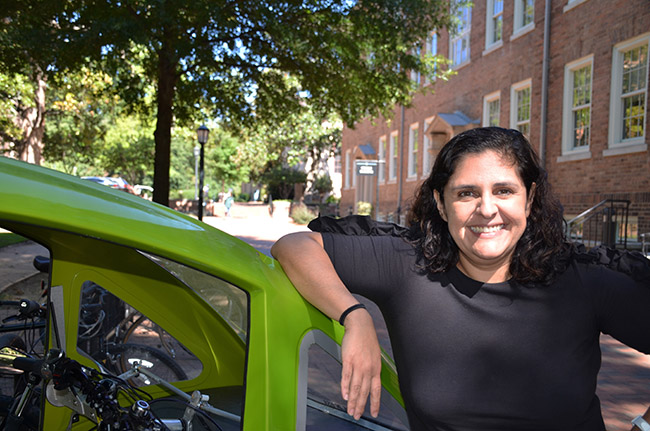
(95, 232)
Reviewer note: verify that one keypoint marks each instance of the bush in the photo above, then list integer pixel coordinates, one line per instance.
(364, 208)
(301, 214)
(243, 197)
(322, 184)
(331, 199)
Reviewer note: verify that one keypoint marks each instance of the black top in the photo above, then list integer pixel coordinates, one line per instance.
(502, 356)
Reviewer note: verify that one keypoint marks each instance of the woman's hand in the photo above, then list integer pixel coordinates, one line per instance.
(361, 358)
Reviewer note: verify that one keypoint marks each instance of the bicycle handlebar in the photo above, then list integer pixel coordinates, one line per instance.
(94, 395)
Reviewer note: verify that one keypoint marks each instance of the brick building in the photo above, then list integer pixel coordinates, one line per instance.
(592, 135)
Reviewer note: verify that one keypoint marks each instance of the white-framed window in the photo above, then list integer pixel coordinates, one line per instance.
(494, 24)
(492, 109)
(348, 172)
(382, 157)
(414, 132)
(576, 107)
(393, 147)
(524, 17)
(570, 4)
(459, 38)
(427, 144)
(520, 94)
(432, 50)
(629, 96)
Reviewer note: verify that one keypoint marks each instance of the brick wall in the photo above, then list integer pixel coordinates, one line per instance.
(591, 28)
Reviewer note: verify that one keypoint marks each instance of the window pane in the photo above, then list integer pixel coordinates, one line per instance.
(118, 337)
(529, 7)
(523, 105)
(494, 109)
(635, 63)
(582, 86)
(633, 116)
(581, 127)
(498, 28)
(497, 20)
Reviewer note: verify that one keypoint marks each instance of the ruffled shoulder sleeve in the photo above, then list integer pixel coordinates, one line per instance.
(356, 225)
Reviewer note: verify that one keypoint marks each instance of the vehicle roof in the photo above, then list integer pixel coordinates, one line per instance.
(35, 195)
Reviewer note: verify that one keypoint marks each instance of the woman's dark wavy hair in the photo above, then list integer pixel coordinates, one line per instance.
(541, 252)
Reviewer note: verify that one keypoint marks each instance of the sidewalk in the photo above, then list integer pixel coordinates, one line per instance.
(16, 262)
(252, 223)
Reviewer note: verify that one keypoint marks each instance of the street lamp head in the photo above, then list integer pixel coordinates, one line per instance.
(202, 134)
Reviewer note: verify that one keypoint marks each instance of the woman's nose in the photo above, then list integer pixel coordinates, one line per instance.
(487, 207)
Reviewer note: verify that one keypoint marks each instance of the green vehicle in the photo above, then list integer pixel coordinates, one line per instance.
(177, 308)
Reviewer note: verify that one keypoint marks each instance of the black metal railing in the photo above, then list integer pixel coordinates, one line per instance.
(604, 223)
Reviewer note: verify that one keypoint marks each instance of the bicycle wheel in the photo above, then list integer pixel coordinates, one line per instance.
(145, 332)
(153, 359)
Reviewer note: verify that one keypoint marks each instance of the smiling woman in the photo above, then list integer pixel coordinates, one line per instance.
(493, 320)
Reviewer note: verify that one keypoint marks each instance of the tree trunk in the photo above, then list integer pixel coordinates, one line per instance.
(164, 117)
(32, 123)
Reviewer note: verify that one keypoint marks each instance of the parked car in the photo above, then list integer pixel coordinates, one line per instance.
(224, 313)
(118, 183)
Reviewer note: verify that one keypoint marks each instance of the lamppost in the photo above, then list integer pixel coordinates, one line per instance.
(202, 136)
(197, 152)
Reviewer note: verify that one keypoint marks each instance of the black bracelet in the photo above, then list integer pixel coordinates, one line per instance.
(350, 310)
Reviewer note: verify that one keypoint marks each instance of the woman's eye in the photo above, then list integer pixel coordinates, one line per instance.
(504, 192)
(465, 194)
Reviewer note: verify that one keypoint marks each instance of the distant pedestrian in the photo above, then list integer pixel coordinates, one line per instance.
(228, 202)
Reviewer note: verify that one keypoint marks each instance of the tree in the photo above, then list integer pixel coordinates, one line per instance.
(227, 161)
(229, 59)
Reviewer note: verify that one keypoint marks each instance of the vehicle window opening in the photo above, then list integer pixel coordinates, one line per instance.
(325, 408)
(118, 336)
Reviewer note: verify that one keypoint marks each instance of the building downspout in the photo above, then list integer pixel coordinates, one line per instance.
(545, 67)
(401, 167)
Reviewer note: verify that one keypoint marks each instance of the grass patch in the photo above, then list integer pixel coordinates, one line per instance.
(10, 238)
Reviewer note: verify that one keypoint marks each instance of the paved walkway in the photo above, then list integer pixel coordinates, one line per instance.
(623, 384)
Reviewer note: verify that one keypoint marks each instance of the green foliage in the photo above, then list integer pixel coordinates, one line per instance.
(322, 184)
(247, 63)
(301, 214)
(16, 92)
(280, 181)
(364, 208)
(228, 162)
(331, 199)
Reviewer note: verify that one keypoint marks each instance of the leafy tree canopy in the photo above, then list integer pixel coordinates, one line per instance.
(228, 59)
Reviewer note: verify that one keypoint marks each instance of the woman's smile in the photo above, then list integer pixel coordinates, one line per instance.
(486, 229)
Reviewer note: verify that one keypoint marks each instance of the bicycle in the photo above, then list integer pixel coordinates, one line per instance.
(104, 334)
(94, 395)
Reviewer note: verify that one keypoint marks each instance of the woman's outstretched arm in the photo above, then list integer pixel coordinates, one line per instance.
(310, 270)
